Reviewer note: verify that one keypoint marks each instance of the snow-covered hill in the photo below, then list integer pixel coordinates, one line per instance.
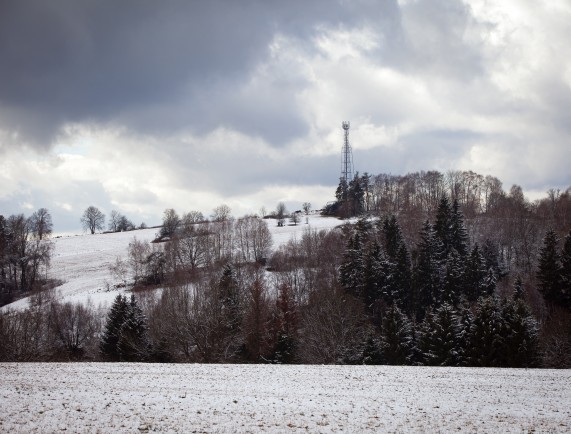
(128, 397)
(82, 261)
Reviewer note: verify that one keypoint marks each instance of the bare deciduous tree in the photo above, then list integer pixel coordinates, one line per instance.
(114, 219)
(281, 212)
(192, 217)
(93, 219)
(171, 222)
(138, 252)
(221, 213)
(294, 218)
(253, 238)
(41, 222)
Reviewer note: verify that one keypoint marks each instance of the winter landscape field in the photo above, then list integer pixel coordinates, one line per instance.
(81, 262)
(127, 397)
(132, 397)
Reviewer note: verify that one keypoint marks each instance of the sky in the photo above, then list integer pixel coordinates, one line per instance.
(139, 105)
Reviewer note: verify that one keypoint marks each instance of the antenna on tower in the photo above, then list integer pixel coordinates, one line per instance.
(346, 156)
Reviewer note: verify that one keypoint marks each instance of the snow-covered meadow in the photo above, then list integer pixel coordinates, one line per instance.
(125, 397)
(82, 262)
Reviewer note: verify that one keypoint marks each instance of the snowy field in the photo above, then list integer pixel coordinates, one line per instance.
(123, 397)
(82, 261)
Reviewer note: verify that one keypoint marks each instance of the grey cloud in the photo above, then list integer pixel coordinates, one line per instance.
(442, 38)
(69, 61)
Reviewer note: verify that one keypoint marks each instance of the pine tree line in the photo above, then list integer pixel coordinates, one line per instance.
(438, 305)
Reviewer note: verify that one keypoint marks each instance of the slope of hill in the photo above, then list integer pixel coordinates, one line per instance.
(82, 261)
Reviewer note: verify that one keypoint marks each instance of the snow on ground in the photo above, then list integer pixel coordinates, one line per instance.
(82, 261)
(123, 397)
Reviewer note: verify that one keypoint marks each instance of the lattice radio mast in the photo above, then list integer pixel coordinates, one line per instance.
(346, 156)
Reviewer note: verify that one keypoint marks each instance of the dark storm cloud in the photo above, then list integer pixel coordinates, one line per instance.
(142, 62)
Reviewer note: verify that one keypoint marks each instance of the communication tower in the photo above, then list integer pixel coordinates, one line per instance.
(346, 156)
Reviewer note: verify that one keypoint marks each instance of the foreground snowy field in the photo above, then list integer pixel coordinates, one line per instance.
(268, 398)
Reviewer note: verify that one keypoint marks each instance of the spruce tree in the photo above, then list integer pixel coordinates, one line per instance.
(372, 353)
(134, 344)
(396, 337)
(375, 275)
(341, 192)
(475, 275)
(521, 337)
(518, 289)
(428, 273)
(285, 324)
(491, 258)
(440, 337)
(443, 225)
(352, 269)
(229, 298)
(549, 274)
(415, 358)
(454, 279)
(402, 281)
(112, 332)
(356, 194)
(392, 236)
(489, 283)
(458, 232)
(465, 321)
(486, 342)
(566, 272)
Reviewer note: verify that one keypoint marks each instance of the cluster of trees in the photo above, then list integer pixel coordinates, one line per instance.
(364, 294)
(438, 306)
(485, 285)
(517, 225)
(25, 253)
(554, 270)
(93, 220)
(189, 245)
(49, 331)
(418, 193)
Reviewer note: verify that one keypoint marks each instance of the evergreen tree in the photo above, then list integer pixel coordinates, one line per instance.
(486, 342)
(415, 357)
(454, 279)
(134, 344)
(356, 194)
(401, 281)
(285, 327)
(392, 236)
(443, 225)
(465, 321)
(372, 353)
(518, 289)
(458, 232)
(115, 318)
(341, 192)
(428, 275)
(566, 272)
(396, 337)
(352, 270)
(229, 297)
(549, 272)
(489, 284)
(491, 258)
(475, 275)
(521, 337)
(375, 275)
(440, 337)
